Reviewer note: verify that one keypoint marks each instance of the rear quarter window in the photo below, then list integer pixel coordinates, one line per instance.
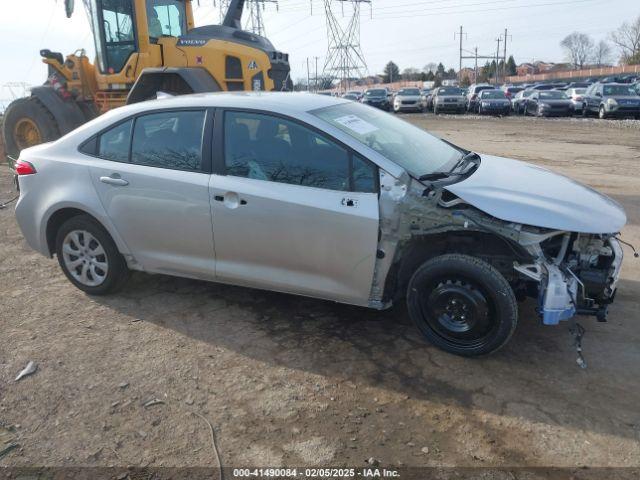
(114, 143)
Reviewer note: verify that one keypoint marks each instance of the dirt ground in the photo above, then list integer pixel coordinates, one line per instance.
(286, 380)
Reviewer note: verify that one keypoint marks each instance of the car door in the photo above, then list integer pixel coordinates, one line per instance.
(593, 101)
(532, 103)
(293, 210)
(153, 180)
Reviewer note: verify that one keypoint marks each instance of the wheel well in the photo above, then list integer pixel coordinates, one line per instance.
(495, 250)
(56, 220)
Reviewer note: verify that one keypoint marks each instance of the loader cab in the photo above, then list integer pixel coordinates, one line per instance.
(126, 27)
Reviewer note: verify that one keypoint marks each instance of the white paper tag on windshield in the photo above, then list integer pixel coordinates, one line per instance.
(356, 124)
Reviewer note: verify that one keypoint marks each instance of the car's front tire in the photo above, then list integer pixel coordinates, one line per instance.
(602, 114)
(89, 257)
(462, 305)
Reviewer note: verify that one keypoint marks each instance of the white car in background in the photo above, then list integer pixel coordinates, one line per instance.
(324, 197)
(407, 99)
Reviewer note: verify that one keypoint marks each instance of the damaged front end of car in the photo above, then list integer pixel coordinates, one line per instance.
(573, 273)
(568, 273)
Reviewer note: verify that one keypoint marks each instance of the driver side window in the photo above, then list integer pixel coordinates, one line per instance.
(265, 147)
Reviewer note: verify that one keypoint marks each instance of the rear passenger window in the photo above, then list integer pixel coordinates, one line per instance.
(169, 140)
(265, 147)
(114, 144)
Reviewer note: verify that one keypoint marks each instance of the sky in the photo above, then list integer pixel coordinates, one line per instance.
(412, 33)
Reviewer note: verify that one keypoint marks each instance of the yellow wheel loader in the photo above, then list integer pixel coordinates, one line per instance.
(142, 47)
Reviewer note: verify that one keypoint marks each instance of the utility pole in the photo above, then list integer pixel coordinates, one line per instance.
(308, 79)
(506, 35)
(460, 34)
(475, 80)
(497, 57)
(316, 77)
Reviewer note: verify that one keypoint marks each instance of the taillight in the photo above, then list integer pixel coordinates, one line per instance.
(25, 168)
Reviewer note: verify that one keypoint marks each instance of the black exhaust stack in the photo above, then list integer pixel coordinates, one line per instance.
(234, 14)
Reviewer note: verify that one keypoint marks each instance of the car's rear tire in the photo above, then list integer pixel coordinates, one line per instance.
(89, 257)
(462, 305)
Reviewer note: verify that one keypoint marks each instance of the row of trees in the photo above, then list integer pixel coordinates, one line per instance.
(580, 49)
(438, 72)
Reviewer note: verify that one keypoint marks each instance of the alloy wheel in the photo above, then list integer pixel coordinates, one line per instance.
(85, 258)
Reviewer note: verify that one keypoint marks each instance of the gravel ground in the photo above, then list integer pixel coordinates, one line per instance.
(286, 380)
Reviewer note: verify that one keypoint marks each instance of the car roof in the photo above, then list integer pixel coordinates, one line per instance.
(289, 102)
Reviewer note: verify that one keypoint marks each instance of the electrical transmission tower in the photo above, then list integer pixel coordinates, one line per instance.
(255, 8)
(254, 23)
(344, 60)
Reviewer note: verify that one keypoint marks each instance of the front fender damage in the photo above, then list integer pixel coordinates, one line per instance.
(567, 273)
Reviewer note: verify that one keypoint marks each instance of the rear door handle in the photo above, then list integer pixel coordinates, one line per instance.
(120, 182)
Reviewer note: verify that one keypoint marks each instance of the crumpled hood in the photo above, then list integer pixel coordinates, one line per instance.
(520, 192)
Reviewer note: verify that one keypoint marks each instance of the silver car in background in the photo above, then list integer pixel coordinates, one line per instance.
(407, 99)
(576, 96)
(449, 99)
(323, 197)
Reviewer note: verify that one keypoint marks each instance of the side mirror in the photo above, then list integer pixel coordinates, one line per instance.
(598, 94)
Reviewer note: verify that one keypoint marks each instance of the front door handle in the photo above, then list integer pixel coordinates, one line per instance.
(120, 182)
(230, 200)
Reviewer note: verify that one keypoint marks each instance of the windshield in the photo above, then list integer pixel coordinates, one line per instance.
(375, 93)
(409, 91)
(408, 146)
(618, 90)
(492, 94)
(552, 95)
(449, 91)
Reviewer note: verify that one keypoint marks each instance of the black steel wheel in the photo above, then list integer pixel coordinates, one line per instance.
(462, 305)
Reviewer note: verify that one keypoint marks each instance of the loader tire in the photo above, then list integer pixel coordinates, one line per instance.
(27, 122)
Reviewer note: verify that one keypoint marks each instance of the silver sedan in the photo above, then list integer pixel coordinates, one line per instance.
(324, 197)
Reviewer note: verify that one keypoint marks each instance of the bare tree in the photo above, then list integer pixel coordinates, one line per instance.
(627, 39)
(578, 48)
(411, 73)
(430, 67)
(602, 54)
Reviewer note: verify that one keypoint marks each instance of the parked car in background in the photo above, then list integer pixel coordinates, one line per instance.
(356, 93)
(376, 97)
(493, 102)
(511, 91)
(449, 99)
(576, 97)
(351, 96)
(547, 103)
(407, 99)
(425, 96)
(584, 84)
(472, 95)
(543, 86)
(519, 102)
(611, 100)
(318, 196)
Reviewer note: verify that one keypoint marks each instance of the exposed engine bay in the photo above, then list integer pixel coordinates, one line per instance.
(567, 273)
(574, 274)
